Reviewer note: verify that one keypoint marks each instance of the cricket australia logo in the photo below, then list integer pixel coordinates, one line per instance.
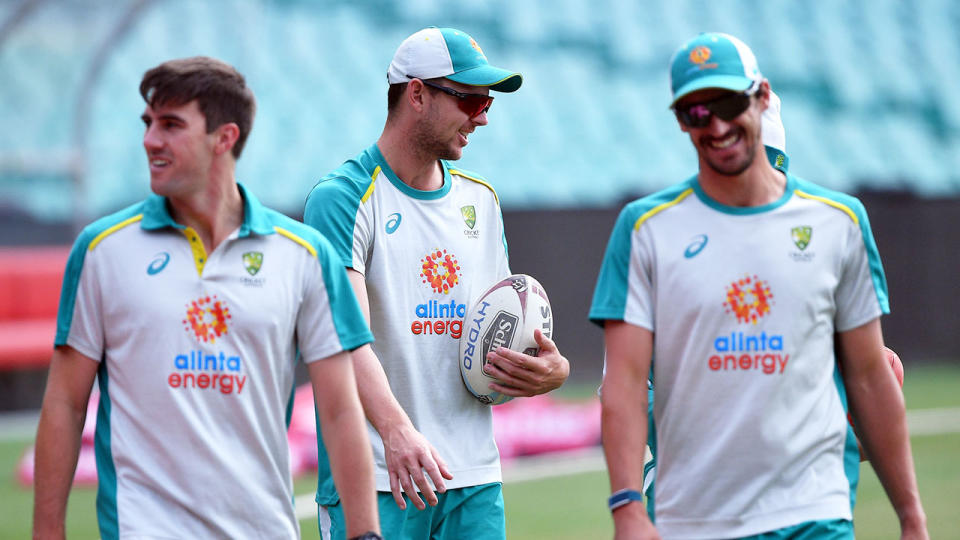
(469, 215)
(252, 261)
(801, 236)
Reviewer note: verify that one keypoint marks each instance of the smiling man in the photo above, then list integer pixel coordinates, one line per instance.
(737, 281)
(191, 309)
(422, 239)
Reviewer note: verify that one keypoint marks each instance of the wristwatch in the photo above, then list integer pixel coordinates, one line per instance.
(369, 535)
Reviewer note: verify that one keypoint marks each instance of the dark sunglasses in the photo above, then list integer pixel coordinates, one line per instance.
(472, 104)
(698, 115)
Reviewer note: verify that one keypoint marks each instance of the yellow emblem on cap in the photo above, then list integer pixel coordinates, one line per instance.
(473, 43)
(700, 55)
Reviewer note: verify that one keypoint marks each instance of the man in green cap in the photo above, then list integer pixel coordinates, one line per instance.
(742, 282)
(421, 240)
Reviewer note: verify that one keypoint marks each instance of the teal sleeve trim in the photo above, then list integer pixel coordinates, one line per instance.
(332, 208)
(106, 469)
(851, 451)
(71, 275)
(503, 235)
(352, 328)
(68, 291)
(610, 293)
(327, 494)
(873, 256)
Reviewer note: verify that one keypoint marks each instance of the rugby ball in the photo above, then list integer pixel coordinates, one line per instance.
(505, 315)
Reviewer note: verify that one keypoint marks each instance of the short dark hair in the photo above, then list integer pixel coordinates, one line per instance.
(220, 90)
(394, 93)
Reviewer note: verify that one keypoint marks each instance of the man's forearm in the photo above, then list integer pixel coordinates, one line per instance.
(624, 436)
(882, 425)
(379, 404)
(349, 449)
(57, 450)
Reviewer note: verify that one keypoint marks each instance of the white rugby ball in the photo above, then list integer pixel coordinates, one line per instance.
(504, 316)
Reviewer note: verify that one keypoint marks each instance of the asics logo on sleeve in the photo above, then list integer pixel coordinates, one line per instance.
(695, 247)
(158, 263)
(393, 222)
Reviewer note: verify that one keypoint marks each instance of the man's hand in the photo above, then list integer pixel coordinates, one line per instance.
(631, 522)
(408, 455)
(522, 375)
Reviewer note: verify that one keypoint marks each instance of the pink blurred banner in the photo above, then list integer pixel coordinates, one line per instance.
(522, 427)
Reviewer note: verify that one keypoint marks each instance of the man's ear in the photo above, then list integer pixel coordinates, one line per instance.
(225, 137)
(763, 95)
(414, 94)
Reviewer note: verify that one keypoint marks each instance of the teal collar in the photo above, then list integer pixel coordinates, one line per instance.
(156, 215)
(744, 210)
(402, 186)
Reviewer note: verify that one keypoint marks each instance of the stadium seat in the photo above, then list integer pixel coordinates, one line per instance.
(30, 281)
(592, 70)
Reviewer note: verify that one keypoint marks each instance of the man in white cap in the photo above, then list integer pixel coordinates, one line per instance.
(740, 281)
(414, 231)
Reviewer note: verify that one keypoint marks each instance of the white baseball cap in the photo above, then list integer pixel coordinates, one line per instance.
(446, 52)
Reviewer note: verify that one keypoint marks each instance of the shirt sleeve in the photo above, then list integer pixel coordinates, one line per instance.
(330, 319)
(624, 286)
(861, 294)
(336, 209)
(80, 315)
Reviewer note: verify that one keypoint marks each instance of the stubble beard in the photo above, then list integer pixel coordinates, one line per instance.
(735, 169)
(430, 143)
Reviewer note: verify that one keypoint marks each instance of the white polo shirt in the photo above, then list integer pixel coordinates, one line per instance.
(426, 256)
(744, 303)
(197, 354)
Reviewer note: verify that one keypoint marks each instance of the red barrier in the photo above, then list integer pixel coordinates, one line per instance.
(30, 279)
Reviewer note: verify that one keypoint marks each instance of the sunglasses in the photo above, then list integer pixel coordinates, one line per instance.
(472, 104)
(726, 108)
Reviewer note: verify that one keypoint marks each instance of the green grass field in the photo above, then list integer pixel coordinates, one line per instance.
(574, 506)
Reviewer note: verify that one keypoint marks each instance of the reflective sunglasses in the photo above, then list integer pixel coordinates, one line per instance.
(698, 115)
(472, 104)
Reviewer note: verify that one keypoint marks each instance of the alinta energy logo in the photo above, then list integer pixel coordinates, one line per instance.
(441, 272)
(749, 299)
(439, 269)
(207, 319)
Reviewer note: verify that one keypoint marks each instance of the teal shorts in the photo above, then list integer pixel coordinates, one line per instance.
(474, 512)
(829, 529)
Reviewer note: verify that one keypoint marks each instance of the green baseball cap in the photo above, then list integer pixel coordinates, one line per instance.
(712, 60)
(446, 52)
